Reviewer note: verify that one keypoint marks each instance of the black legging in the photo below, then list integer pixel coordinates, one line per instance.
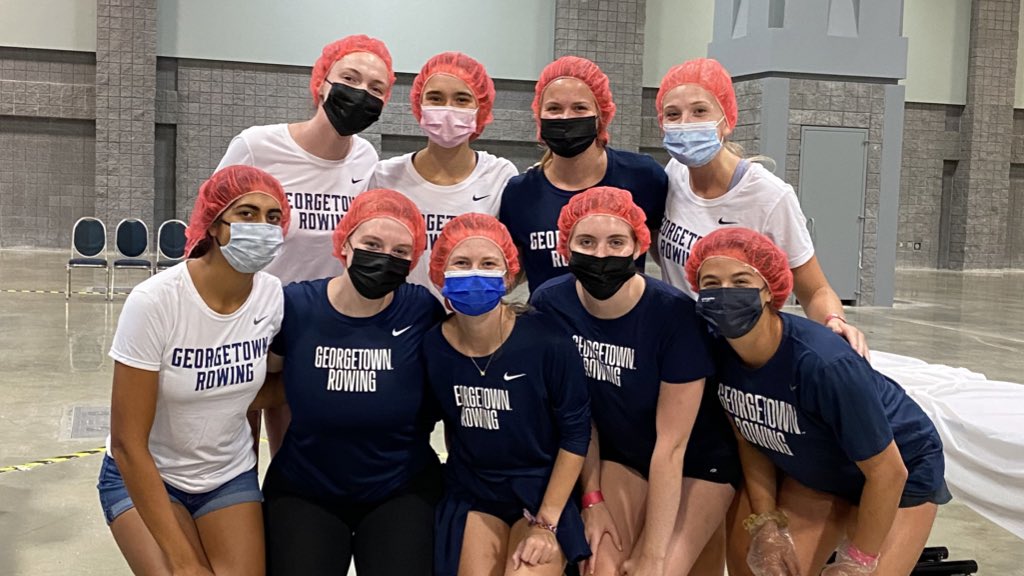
(395, 537)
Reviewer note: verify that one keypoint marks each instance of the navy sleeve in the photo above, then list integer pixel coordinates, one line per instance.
(659, 188)
(684, 355)
(278, 345)
(570, 397)
(844, 393)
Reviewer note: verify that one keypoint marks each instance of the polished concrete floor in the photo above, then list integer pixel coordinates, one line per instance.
(53, 361)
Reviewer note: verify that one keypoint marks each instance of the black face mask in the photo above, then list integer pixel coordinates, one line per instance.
(732, 311)
(601, 277)
(568, 137)
(375, 275)
(351, 110)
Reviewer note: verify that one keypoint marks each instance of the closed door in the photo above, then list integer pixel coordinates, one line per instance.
(833, 172)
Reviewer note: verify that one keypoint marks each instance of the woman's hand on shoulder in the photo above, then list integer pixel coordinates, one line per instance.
(851, 334)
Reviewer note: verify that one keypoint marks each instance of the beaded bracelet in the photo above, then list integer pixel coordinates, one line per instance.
(534, 521)
(755, 521)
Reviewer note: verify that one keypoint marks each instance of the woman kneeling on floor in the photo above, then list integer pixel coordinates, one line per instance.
(862, 463)
(179, 487)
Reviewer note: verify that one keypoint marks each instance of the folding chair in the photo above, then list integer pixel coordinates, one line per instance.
(131, 242)
(170, 244)
(88, 242)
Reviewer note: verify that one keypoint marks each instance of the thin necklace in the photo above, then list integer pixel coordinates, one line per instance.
(483, 371)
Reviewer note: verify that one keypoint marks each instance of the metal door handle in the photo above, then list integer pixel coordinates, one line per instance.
(810, 229)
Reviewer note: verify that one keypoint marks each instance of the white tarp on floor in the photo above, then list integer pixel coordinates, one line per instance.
(981, 422)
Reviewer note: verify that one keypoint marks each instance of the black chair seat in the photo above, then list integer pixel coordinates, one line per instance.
(168, 263)
(95, 262)
(132, 263)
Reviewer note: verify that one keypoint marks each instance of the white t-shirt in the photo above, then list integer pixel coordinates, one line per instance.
(318, 190)
(479, 192)
(760, 201)
(211, 367)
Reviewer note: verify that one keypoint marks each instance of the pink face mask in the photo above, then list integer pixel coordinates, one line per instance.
(448, 126)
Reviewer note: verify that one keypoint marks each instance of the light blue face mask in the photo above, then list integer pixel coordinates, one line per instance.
(252, 246)
(694, 144)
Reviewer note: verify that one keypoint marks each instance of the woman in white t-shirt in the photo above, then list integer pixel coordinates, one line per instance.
(179, 486)
(452, 98)
(711, 186)
(322, 163)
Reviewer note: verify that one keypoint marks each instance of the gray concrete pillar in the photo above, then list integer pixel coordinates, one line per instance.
(610, 33)
(125, 110)
(824, 63)
(981, 186)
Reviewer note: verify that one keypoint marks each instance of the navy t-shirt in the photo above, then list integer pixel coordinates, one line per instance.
(817, 407)
(530, 207)
(504, 429)
(627, 358)
(356, 389)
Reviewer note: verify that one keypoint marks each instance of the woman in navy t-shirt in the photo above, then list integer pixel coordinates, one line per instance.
(510, 388)
(573, 108)
(659, 475)
(860, 459)
(355, 475)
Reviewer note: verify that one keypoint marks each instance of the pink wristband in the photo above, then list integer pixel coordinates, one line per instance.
(591, 499)
(834, 316)
(859, 556)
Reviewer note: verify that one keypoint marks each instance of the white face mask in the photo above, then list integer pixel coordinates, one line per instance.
(252, 246)
(448, 126)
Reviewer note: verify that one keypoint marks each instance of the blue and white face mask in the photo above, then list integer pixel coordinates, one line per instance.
(474, 292)
(252, 246)
(693, 144)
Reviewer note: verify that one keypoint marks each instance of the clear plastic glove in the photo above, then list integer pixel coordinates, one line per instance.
(850, 562)
(772, 552)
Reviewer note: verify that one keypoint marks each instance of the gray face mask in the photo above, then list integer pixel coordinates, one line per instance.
(252, 246)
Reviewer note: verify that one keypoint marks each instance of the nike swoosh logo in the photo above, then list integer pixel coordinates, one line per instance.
(511, 377)
(400, 332)
(724, 223)
(354, 181)
(477, 199)
(255, 322)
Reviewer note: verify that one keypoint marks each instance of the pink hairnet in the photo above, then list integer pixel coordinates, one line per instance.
(464, 227)
(382, 203)
(218, 194)
(339, 49)
(587, 72)
(753, 249)
(466, 69)
(709, 75)
(606, 200)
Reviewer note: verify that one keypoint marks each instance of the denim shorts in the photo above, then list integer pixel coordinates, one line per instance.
(115, 500)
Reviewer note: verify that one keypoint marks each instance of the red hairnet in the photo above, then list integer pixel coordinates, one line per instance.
(464, 227)
(382, 203)
(339, 49)
(587, 72)
(219, 192)
(709, 75)
(753, 249)
(608, 201)
(466, 69)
